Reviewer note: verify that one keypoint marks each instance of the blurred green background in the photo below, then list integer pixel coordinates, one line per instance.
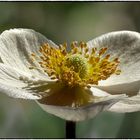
(66, 22)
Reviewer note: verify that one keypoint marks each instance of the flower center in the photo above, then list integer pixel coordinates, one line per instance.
(81, 66)
(78, 63)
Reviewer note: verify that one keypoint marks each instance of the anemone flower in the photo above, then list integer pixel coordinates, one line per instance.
(74, 82)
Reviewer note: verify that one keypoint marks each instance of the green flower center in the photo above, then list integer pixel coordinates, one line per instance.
(78, 63)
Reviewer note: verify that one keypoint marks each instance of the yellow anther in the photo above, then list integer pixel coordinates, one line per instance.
(102, 51)
(75, 50)
(94, 50)
(31, 67)
(33, 54)
(97, 59)
(116, 60)
(86, 50)
(65, 45)
(107, 56)
(118, 72)
(82, 44)
(74, 44)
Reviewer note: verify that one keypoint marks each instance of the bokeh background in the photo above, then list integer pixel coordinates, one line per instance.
(66, 22)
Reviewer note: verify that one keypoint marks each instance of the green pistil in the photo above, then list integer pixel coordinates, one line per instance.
(79, 63)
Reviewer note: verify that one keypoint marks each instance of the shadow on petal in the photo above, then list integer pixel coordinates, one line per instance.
(60, 95)
(80, 113)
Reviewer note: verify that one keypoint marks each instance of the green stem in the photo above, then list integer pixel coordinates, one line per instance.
(70, 130)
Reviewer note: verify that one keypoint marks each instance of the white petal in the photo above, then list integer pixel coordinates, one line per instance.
(130, 89)
(131, 104)
(99, 93)
(85, 112)
(17, 92)
(126, 46)
(17, 78)
(11, 76)
(16, 46)
(16, 83)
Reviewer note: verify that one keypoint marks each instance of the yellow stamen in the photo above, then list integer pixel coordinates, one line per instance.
(79, 66)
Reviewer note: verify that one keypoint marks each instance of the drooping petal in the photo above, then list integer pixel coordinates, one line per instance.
(124, 45)
(17, 45)
(11, 76)
(83, 112)
(15, 83)
(131, 104)
(17, 92)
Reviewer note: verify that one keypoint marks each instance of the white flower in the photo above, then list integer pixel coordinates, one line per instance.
(102, 74)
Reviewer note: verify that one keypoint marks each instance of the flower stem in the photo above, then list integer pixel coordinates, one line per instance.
(70, 130)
